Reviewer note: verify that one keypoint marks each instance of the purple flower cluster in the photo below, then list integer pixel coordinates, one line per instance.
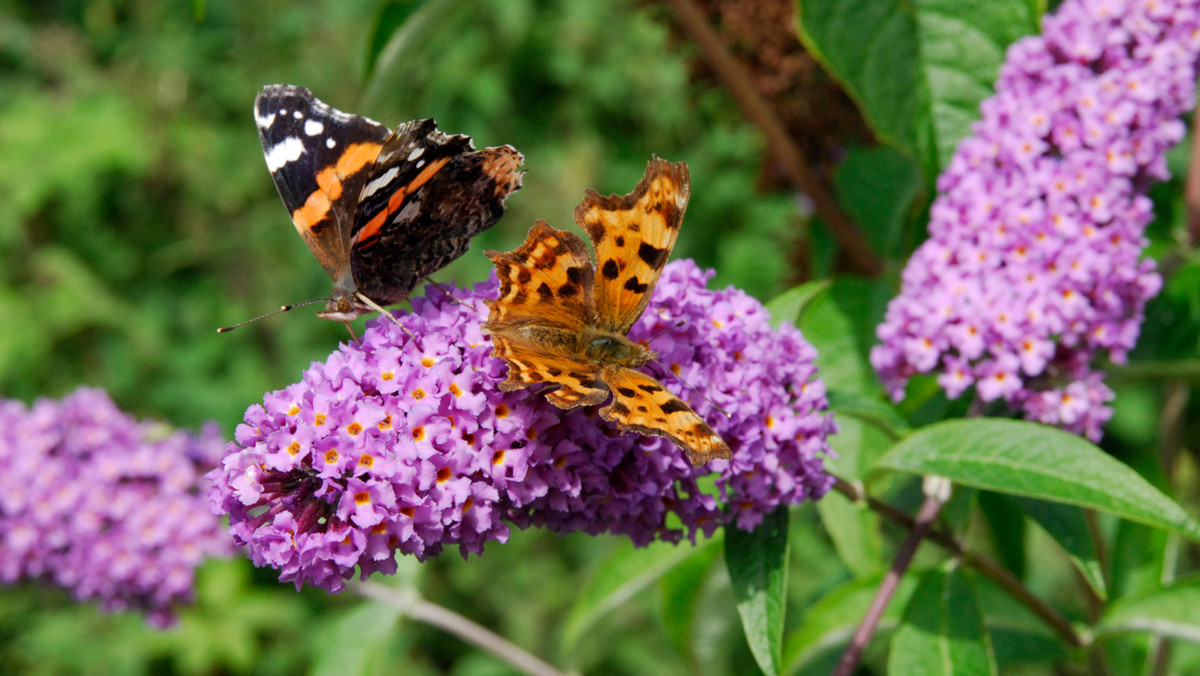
(402, 444)
(587, 477)
(1031, 273)
(103, 505)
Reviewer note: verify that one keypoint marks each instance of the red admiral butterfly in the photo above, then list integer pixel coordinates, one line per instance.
(379, 209)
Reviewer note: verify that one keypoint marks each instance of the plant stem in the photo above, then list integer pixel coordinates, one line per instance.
(1183, 371)
(985, 565)
(417, 608)
(936, 494)
(779, 142)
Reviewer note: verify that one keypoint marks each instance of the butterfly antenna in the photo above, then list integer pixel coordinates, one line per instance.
(285, 308)
(378, 308)
(694, 390)
(663, 332)
(677, 377)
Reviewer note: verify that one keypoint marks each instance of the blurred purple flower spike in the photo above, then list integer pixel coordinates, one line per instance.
(108, 507)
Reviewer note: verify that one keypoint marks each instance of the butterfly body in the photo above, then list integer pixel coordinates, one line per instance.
(379, 208)
(561, 320)
(613, 349)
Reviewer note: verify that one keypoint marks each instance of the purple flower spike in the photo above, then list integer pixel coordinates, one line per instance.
(105, 506)
(1031, 274)
(401, 445)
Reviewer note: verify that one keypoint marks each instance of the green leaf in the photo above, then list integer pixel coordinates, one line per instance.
(868, 409)
(854, 530)
(831, 323)
(357, 642)
(390, 20)
(757, 562)
(942, 631)
(787, 306)
(877, 187)
(1171, 611)
(680, 589)
(1018, 635)
(1036, 461)
(918, 70)
(1137, 559)
(1009, 526)
(401, 34)
(829, 624)
(856, 446)
(1069, 528)
(1019, 645)
(618, 579)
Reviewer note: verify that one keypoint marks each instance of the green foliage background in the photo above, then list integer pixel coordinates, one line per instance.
(137, 215)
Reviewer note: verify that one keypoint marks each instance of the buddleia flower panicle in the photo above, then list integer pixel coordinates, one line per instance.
(402, 445)
(594, 479)
(108, 507)
(1032, 273)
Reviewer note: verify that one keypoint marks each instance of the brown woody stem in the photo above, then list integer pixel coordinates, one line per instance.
(985, 565)
(779, 142)
(937, 492)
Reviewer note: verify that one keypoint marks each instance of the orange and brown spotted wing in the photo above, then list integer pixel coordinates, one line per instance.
(544, 305)
(641, 404)
(547, 280)
(532, 363)
(633, 235)
(320, 158)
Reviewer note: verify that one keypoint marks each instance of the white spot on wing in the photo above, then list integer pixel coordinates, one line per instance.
(329, 142)
(298, 115)
(384, 178)
(288, 150)
(264, 121)
(417, 152)
(313, 127)
(420, 164)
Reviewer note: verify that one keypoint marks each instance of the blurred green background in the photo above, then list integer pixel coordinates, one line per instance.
(137, 216)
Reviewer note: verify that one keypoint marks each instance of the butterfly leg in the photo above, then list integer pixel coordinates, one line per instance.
(378, 308)
(440, 287)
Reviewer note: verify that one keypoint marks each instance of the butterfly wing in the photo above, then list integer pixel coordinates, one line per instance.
(633, 235)
(320, 158)
(641, 404)
(429, 193)
(544, 307)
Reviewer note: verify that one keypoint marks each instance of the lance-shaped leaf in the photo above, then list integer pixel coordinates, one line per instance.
(1036, 461)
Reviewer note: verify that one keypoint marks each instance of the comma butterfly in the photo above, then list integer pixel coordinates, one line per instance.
(557, 321)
